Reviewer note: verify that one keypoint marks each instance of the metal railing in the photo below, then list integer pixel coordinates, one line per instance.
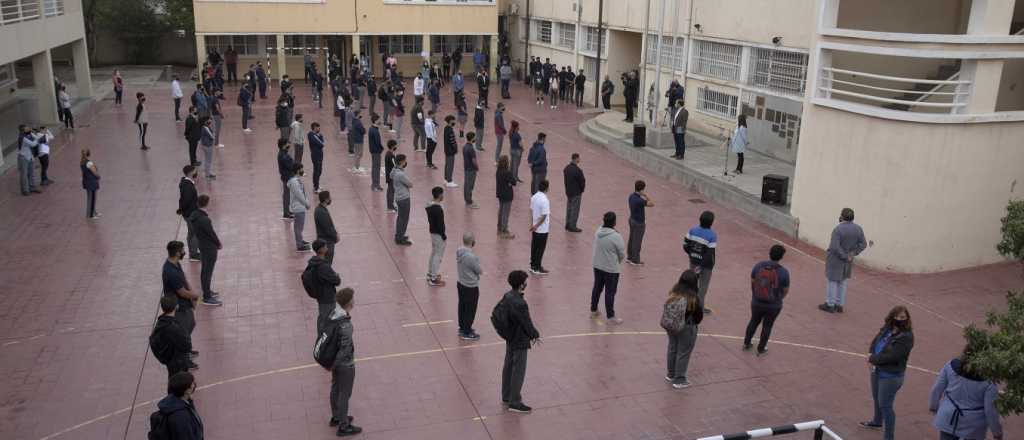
(53, 8)
(818, 426)
(15, 11)
(882, 96)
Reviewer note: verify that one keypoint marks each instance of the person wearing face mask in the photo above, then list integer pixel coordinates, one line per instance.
(343, 372)
(298, 206)
(218, 116)
(316, 153)
(887, 357)
(296, 138)
(403, 186)
(193, 132)
(188, 202)
(183, 421)
(519, 334)
(208, 139)
(209, 245)
(847, 242)
(176, 285)
(284, 169)
(283, 117)
(325, 230)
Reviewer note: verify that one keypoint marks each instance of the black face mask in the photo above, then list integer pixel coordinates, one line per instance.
(181, 255)
(900, 323)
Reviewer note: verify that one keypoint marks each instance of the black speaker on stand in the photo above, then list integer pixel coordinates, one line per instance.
(774, 189)
(639, 135)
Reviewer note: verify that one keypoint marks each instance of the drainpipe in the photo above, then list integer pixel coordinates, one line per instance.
(642, 98)
(597, 68)
(526, 50)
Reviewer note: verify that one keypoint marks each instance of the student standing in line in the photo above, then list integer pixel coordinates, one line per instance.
(176, 94)
(435, 222)
(434, 94)
(119, 88)
(888, 355)
(217, 115)
(207, 139)
(175, 284)
(846, 243)
(609, 251)
(700, 244)
(470, 168)
(575, 184)
(90, 183)
(389, 165)
(399, 113)
(296, 137)
(451, 148)
(284, 169)
(245, 97)
(963, 401)
(183, 421)
(540, 209)
(324, 225)
(356, 135)
(639, 201)
(341, 105)
(371, 93)
(430, 127)
(769, 284)
(682, 313)
(188, 202)
(193, 133)
(504, 189)
(209, 244)
(478, 125)
(499, 130)
(468, 286)
(298, 206)
(316, 153)
(168, 341)
(283, 118)
(321, 280)
(461, 114)
(141, 119)
(376, 147)
(738, 143)
(515, 149)
(343, 372)
(417, 119)
(403, 194)
(519, 336)
(538, 160)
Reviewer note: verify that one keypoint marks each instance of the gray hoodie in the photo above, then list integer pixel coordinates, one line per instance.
(401, 182)
(609, 250)
(469, 267)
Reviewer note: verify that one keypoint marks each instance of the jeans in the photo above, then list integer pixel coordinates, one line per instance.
(419, 138)
(436, 253)
(208, 257)
(286, 197)
(449, 167)
(143, 128)
(468, 298)
(44, 165)
(341, 121)
(636, 239)
(387, 112)
(836, 292)
(765, 316)
(609, 283)
(513, 373)
(680, 141)
(357, 155)
(478, 141)
(298, 225)
(680, 347)
(69, 118)
(467, 186)
(217, 119)
(538, 176)
(402, 222)
(516, 155)
(504, 209)
(538, 242)
(703, 282)
(342, 380)
(118, 93)
(431, 147)
(208, 160)
(498, 140)
(26, 174)
(572, 210)
(318, 168)
(504, 88)
(177, 109)
(579, 97)
(90, 203)
(374, 170)
(246, 115)
(883, 392)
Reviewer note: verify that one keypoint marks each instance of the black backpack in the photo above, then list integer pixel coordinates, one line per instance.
(325, 350)
(159, 428)
(500, 319)
(161, 350)
(308, 284)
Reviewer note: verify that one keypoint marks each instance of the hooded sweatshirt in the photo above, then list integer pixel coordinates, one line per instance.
(325, 279)
(346, 348)
(182, 419)
(469, 267)
(609, 250)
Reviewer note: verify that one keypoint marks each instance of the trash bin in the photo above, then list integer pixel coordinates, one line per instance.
(639, 135)
(774, 189)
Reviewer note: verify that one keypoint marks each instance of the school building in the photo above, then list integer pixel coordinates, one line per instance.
(281, 32)
(911, 112)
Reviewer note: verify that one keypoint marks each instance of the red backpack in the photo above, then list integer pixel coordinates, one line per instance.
(766, 283)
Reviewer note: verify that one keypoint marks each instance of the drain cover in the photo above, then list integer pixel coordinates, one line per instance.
(696, 201)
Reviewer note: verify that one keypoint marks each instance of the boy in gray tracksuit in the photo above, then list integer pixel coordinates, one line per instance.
(609, 251)
(468, 286)
(298, 205)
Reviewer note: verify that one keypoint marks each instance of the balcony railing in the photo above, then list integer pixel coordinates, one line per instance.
(15, 11)
(905, 94)
(53, 8)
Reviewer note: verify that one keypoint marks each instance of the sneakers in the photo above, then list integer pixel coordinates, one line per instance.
(391, 211)
(304, 248)
(615, 321)
(451, 185)
(762, 352)
(288, 217)
(220, 145)
(519, 408)
(839, 309)
(435, 281)
(827, 308)
(194, 258)
(376, 189)
(348, 430)
(539, 270)
(747, 347)
(247, 130)
(405, 242)
(212, 302)
(594, 314)
(680, 383)
(471, 336)
(871, 425)
(574, 229)
(669, 378)
(635, 263)
(473, 206)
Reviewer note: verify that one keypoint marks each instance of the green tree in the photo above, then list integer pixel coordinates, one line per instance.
(140, 24)
(1012, 244)
(999, 354)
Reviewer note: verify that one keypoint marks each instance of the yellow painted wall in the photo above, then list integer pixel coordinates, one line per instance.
(757, 20)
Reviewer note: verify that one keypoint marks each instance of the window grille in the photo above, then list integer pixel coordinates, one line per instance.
(717, 60)
(672, 54)
(590, 39)
(400, 44)
(448, 43)
(777, 70)
(243, 44)
(716, 103)
(53, 8)
(567, 35)
(13, 11)
(543, 31)
(590, 69)
(7, 75)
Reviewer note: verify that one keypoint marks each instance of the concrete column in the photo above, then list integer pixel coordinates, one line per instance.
(200, 50)
(426, 46)
(83, 80)
(990, 17)
(494, 58)
(281, 62)
(42, 74)
(356, 48)
(985, 76)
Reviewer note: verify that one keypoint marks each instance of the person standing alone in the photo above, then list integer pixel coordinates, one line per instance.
(575, 184)
(639, 201)
(846, 243)
(682, 313)
(520, 334)
(540, 208)
(769, 284)
(435, 221)
(609, 251)
(209, 244)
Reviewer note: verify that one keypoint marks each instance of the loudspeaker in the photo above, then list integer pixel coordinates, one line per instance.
(639, 136)
(774, 189)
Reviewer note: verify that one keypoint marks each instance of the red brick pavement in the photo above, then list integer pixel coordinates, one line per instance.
(79, 298)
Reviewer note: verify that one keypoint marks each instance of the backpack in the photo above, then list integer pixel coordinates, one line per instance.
(161, 350)
(325, 350)
(308, 284)
(501, 321)
(673, 316)
(766, 283)
(241, 102)
(159, 428)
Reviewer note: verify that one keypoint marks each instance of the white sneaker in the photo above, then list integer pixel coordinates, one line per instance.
(220, 145)
(247, 130)
(452, 185)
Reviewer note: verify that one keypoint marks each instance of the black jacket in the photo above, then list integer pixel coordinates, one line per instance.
(172, 336)
(575, 182)
(325, 279)
(193, 131)
(435, 219)
(523, 330)
(202, 227)
(282, 117)
(451, 147)
(284, 165)
(504, 184)
(894, 356)
(478, 120)
(324, 225)
(188, 200)
(182, 418)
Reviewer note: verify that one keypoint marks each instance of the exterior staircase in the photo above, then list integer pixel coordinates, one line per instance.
(921, 91)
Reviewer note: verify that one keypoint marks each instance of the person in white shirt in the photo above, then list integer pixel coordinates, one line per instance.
(540, 207)
(417, 85)
(176, 94)
(65, 107)
(45, 136)
(430, 127)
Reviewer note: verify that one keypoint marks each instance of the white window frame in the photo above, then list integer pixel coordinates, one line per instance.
(543, 31)
(7, 78)
(53, 8)
(590, 67)
(672, 53)
(781, 71)
(14, 11)
(718, 60)
(567, 35)
(588, 41)
(717, 103)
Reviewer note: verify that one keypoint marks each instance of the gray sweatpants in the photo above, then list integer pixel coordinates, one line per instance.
(299, 223)
(513, 374)
(437, 245)
(342, 380)
(680, 346)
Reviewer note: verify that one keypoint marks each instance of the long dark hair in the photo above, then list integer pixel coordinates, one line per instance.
(741, 120)
(890, 319)
(686, 288)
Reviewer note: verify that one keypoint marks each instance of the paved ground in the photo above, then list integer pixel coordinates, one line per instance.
(80, 296)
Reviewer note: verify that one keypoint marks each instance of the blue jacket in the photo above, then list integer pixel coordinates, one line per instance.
(376, 147)
(538, 158)
(284, 165)
(182, 418)
(316, 145)
(357, 132)
(964, 405)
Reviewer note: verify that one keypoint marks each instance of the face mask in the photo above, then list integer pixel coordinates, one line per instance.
(901, 323)
(181, 255)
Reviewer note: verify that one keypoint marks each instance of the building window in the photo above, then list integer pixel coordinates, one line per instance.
(543, 31)
(13, 11)
(777, 70)
(590, 39)
(717, 60)
(400, 44)
(53, 8)
(243, 44)
(448, 43)
(567, 35)
(716, 103)
(672, 54)
(7, 78)
(301, 44)
(590, 68)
